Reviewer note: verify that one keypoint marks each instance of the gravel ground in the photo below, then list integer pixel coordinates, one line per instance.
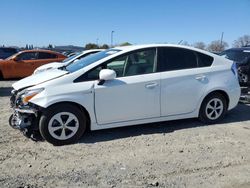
(181, 153)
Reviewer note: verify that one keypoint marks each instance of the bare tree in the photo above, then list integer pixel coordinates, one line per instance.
(185, 43)
(242, 41)
(217, 46)
(200, 45)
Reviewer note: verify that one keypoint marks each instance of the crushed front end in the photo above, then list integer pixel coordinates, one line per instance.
(25, 116)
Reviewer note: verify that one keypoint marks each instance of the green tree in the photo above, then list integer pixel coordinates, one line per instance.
(91, 46)
(104, 46)
(50, 46)
(125, 44)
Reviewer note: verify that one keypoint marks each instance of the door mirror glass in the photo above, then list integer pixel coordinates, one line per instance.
(107, 74)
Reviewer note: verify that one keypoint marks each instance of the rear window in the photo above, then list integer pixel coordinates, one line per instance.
(204, 60)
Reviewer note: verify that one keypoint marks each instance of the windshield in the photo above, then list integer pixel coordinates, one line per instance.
(90, 59)
(236, 55)
(71, 57)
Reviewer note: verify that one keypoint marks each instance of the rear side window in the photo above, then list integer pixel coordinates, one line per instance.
(176, 59)
(44, 55)
(204, 60)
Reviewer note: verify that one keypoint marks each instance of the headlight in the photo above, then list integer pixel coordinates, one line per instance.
(29, 94)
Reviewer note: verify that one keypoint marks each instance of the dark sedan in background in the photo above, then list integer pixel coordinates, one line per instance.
(242, 58)
(7, 52)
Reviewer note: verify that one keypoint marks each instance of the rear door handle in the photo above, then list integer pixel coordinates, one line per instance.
(151, 85)
(200, 77)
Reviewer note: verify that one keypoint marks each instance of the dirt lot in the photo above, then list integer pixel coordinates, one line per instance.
(170, 154)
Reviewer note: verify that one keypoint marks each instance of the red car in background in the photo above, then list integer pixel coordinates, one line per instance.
(25, 62)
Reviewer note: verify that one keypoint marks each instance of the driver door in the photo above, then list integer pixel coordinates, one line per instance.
(24, 66)
(134, 94)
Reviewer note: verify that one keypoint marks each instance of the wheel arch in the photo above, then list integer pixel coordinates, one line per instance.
(220, 91)
(82, 108)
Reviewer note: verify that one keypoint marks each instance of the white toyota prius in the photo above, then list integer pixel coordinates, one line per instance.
(124, 86)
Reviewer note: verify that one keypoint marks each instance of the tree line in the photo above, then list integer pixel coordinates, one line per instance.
(214, 46)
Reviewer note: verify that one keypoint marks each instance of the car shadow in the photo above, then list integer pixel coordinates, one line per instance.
(5, 91)
(239, 114)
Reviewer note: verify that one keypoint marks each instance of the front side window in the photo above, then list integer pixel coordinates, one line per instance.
(176, 59)
(90, 59)
(27, 56)
(137, 63)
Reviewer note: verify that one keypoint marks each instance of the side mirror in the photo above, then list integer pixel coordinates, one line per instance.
(106, 74)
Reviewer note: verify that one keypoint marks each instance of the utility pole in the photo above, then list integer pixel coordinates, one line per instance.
(221, 40)
(111, 44)
(97, 41)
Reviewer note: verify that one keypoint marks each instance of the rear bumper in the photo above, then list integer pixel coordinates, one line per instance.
(234, 96)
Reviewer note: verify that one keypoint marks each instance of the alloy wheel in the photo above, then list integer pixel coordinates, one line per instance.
(214, 108)
(63, 125)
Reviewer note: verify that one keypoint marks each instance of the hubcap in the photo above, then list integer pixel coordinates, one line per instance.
(63, 125)
(214, 109)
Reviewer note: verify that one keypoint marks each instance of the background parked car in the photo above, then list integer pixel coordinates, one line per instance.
(7, 52)
(24, 63)
(242, 58)
(66, 61)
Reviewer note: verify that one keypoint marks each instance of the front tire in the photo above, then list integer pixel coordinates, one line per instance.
(62, 124)
(213, 108)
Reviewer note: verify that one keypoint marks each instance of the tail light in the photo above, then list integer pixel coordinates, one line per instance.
(234, 69)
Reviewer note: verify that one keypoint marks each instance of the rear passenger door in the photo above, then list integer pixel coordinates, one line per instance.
(183, 79)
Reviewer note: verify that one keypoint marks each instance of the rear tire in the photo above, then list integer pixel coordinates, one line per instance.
(62, 124)
(213, 108)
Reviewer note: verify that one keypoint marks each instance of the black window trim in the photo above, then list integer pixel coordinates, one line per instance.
(160, 68)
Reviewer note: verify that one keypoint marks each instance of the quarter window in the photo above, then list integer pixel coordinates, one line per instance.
(176, 59)
(204, 60)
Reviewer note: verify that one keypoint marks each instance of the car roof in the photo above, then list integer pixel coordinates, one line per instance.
(40, 50)
(238, 49)
(135, 47)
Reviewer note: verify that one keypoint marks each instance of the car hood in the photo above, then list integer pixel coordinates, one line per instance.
(38, 78)
(49, 66)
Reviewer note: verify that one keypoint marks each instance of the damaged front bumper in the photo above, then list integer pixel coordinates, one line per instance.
(22, 118)
(25, 117)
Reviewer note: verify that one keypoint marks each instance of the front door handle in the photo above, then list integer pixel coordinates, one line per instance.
(151, 85)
